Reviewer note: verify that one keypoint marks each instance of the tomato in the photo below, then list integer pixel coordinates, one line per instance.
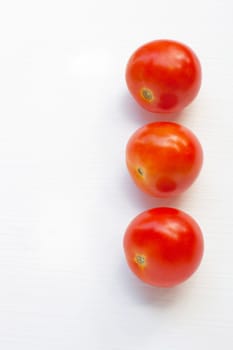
(163, 246)
(163, 76)
(163, 158)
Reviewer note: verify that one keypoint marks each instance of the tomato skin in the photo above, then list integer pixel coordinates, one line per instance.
(163, 246)
(163, 76)
(163, 158)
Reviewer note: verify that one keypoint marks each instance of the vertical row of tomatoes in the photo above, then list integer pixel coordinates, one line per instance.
(163, 246)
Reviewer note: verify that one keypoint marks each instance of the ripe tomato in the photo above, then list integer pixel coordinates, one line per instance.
(163, 158)
(163, 76)
(163, 246)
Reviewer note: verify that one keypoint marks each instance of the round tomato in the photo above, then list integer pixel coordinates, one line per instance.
(163, 158)
(163, 76)
(163, 246)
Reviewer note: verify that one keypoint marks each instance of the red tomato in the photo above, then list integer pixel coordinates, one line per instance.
(163, 158)
(163, 76)
(163, 246)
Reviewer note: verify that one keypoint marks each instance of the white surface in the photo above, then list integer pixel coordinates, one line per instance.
(66, 197)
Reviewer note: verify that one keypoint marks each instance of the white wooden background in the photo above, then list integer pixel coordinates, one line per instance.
(66, 197)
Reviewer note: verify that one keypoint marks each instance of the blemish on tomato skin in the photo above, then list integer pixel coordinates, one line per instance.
(166, 184)
(168, 101)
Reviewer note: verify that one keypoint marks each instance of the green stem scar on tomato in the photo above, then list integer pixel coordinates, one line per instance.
(140, 260)
(163, 76)
(140, 171)
(163, 158)
(163, 246)
(147, 94)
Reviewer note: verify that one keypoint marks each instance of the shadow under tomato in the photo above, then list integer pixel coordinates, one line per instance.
(146, 294)
(144, 201)
(131, 109)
